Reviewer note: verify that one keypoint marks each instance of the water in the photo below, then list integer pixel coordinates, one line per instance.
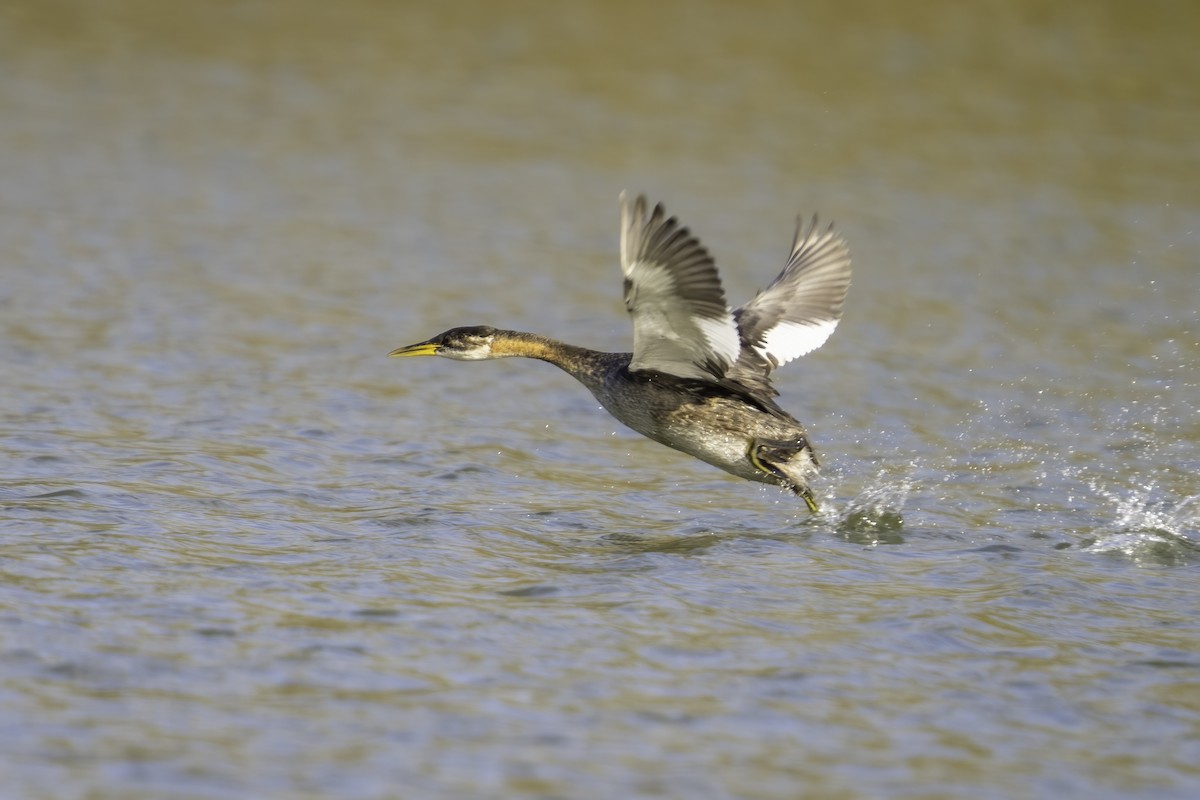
(245, 554)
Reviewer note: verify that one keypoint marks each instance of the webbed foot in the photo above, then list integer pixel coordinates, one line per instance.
(773, 455)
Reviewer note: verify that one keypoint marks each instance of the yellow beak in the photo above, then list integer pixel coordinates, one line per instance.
(418, 349)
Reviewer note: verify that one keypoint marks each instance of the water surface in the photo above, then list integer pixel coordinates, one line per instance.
(244, 554)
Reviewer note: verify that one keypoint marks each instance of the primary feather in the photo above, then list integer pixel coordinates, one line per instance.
(798, 310)
(681, 323)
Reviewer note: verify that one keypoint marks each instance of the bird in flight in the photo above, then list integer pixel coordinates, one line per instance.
(699, 376)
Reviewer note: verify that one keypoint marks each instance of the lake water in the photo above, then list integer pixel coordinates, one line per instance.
(244, 554)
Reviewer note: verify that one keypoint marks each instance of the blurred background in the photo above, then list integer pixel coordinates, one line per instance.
(243, 553)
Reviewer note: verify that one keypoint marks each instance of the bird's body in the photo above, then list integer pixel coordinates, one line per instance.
(698, 379)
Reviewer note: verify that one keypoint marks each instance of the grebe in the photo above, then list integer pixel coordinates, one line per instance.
(699, 376)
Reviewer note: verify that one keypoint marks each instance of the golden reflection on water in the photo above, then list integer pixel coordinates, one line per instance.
(811, 90)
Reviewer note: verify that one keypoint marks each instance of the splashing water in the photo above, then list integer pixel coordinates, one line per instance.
(1149, 529)
(873, 516)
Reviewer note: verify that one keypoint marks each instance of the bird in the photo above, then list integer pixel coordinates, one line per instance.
(699, 377)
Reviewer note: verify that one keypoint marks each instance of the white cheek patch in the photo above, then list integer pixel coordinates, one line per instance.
(789, 340)
(474, 354)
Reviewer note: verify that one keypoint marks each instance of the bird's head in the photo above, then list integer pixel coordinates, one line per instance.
(461, 344)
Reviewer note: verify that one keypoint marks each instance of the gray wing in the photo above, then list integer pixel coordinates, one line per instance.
(798, 311)
(681, 323)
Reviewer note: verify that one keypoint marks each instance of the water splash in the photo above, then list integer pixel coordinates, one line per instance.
(873, 517)
(1147, 528)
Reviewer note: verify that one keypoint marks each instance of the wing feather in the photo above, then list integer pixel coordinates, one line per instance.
(681, 323)
(799, 310)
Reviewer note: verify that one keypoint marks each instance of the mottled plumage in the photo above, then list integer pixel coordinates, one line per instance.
(699, 376)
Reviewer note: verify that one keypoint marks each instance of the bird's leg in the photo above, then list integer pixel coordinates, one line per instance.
(765, 453)
(807, 496)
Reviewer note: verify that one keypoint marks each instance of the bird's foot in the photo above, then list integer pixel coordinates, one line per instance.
(769, 454)
(806, 495)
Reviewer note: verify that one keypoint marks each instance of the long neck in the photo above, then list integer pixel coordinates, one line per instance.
(588, 366)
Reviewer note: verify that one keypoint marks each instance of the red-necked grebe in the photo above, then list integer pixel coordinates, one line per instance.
(699, 376)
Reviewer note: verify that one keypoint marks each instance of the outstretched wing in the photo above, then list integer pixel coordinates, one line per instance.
(798, 311)
(681, 323)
